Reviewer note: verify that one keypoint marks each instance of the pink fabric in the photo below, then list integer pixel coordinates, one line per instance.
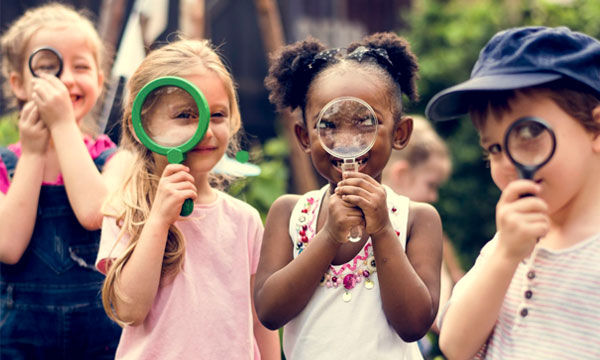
(95, 148)
(4, 181)
(205, 312)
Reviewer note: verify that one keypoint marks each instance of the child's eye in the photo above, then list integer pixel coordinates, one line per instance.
(323, 124)
(494, 149)
(367, 121)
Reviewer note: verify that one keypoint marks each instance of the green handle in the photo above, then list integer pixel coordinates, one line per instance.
(187, 208)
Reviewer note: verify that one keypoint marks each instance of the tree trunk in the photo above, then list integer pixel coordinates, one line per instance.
(269, 22)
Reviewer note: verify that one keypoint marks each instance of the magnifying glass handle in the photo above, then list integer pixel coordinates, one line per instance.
(356, 232)
(187, 208)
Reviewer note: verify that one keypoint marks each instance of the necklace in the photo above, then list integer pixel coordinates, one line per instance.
(349, 275)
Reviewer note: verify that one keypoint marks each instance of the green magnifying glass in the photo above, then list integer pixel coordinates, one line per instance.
(170, 116)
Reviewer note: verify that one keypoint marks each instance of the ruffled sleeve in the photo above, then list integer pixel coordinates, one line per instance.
(4, 181)
(99, 145)
(111, 246)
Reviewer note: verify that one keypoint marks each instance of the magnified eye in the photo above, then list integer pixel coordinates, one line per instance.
(530, 131)
(324, 124)
(366, 121)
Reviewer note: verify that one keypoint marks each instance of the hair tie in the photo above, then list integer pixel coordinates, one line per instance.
(323, 57)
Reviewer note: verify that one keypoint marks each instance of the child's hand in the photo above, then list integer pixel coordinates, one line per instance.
(52, 99)
(33, 133)
(520, 220)
(341, 218)
(176, 184)
(363, 191)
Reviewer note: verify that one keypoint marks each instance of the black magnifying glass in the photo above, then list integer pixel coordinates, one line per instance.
(347, 129)
(170, 116)
(45, 60)
(529, 143)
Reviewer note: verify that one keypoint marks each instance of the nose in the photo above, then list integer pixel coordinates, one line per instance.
(67, 76)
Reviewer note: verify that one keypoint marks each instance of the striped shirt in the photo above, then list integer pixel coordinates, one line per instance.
(552, 307)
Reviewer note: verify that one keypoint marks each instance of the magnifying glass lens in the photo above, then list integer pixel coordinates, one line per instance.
(347, 128)
(170, 116)
(45, 61)
(530, 143)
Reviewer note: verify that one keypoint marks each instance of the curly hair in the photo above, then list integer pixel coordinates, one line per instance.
(294, 67)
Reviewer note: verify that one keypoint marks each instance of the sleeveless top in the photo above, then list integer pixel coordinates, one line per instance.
(345, 318)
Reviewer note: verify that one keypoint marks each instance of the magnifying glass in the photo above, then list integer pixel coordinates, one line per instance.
(45, 60)
(347, 129)
(529, 143)
(170, 116)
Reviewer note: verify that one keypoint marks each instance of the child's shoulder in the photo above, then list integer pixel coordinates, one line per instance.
(239, 206)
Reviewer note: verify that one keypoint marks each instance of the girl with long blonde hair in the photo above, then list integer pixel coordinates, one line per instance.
(181, 287)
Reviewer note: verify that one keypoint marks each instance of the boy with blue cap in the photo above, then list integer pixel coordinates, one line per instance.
(534, 291)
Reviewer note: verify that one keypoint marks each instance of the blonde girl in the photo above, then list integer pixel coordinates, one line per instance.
(51, 192)
(181, 287)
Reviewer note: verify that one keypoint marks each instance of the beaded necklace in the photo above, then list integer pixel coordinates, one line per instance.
(349, 275)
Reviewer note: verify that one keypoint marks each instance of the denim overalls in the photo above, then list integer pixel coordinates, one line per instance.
(50, 303)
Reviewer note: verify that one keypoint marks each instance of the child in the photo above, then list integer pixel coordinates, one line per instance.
(533, 293)
(340, 299)
(182, 287)
(422, 167)
(417, 172)
(52, 194)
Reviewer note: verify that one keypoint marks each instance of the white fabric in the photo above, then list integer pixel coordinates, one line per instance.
(329, 328)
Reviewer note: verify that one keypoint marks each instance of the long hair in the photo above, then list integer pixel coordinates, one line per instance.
(131, 204)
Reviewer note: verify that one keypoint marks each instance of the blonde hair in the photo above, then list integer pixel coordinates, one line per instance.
(16, 39)
(140, 183)
(424, 142)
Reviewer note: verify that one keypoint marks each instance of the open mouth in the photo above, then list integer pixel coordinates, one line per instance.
(75, 98)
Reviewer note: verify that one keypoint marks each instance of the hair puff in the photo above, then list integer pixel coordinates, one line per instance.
(404, 62)
(290, 75)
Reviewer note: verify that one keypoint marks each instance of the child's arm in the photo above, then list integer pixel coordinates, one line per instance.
(267, 340)
(140, 277)
(84, 184)
(478, 297)
(18, 208)
(284, 287)
(409, 280)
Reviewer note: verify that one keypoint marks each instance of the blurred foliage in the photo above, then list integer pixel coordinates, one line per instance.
(447, 36)
(9, 132)
(260, 191)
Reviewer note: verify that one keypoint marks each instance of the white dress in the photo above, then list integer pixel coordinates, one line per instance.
(344, 319)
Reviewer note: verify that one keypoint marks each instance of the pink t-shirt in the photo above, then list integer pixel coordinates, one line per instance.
(95, 148)
(205, 312)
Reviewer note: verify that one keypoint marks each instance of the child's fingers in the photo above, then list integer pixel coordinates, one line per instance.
(518, 189)
(171, 169)
(26, 112)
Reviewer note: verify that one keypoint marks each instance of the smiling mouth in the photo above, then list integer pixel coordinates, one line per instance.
(339, 162)
(205, 149)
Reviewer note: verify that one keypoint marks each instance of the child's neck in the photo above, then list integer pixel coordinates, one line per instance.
(205, 193)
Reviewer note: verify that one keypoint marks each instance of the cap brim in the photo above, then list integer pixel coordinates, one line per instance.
(455, 101)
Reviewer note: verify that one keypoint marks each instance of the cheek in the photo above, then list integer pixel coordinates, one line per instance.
(499, 178)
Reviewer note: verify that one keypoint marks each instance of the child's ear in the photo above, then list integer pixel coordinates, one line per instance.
(402, 131)
(100, 79)
(302, 135)
(596, 138)
(17, 84)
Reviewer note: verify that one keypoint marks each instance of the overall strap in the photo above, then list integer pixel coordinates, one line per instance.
(10, 160)
(103, 157)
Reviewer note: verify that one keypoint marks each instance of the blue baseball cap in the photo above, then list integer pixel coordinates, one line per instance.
(523, 57)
